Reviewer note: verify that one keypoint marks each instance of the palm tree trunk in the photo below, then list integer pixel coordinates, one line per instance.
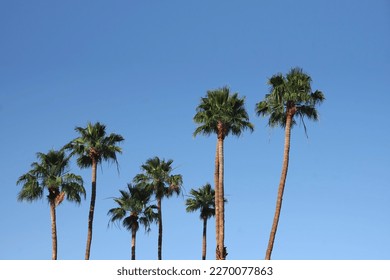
(221, 202)
(53, 229)
(282, 183)
(133, 239)
(204, 244)
(216, 183)
(160, 229)
(91, 209)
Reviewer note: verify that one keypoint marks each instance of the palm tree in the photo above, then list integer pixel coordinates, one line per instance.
(51, 173)
(202, 199)
(156, 176)
(221, 113)
(134, 201)
(290, 97)
(92, 147)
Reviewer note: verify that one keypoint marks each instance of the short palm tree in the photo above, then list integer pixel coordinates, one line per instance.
(92, 147)
(156, 176)
(290, 97)
(133, 209)
(51, 173)
(222, 113)
(202, 199)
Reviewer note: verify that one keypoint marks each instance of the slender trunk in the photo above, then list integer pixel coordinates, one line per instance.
(216, 188)
(91, 209)
(221, 201)
(204, 244)
(133, 239)
(53, 229)
(282, 183)
(160, 229)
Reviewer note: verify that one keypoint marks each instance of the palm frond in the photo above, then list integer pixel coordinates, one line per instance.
(31, 189)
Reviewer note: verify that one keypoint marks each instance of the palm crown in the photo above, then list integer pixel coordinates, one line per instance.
(157, 177)
(135, 201)
(51, 172)
(94, 144)
(291, 94)
(203, 200)
(221, 113)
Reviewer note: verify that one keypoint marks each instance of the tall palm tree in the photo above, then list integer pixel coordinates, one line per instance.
(92, 147)
(221, 113)
(290, 97)
(134, 201)
(51, 173)
(156, 176)
(202, 199)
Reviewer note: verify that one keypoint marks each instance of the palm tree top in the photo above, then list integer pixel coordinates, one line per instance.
(94, 143)
(157, 177)
(202, 199)
(221, 108)
(157, 166)
(51, 172)
(290, 94)
(134, 200)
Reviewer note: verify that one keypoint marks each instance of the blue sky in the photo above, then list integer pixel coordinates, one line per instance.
(141, 67)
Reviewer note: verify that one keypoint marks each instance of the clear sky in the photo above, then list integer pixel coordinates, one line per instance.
(141, 67)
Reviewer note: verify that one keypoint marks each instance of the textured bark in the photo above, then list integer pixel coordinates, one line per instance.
(216, 189)
(204, 239)
(221, 202)
(282, 183)
(133, 239)
(53, 229)
(221, 250)
(91, 209)
(160, 229)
